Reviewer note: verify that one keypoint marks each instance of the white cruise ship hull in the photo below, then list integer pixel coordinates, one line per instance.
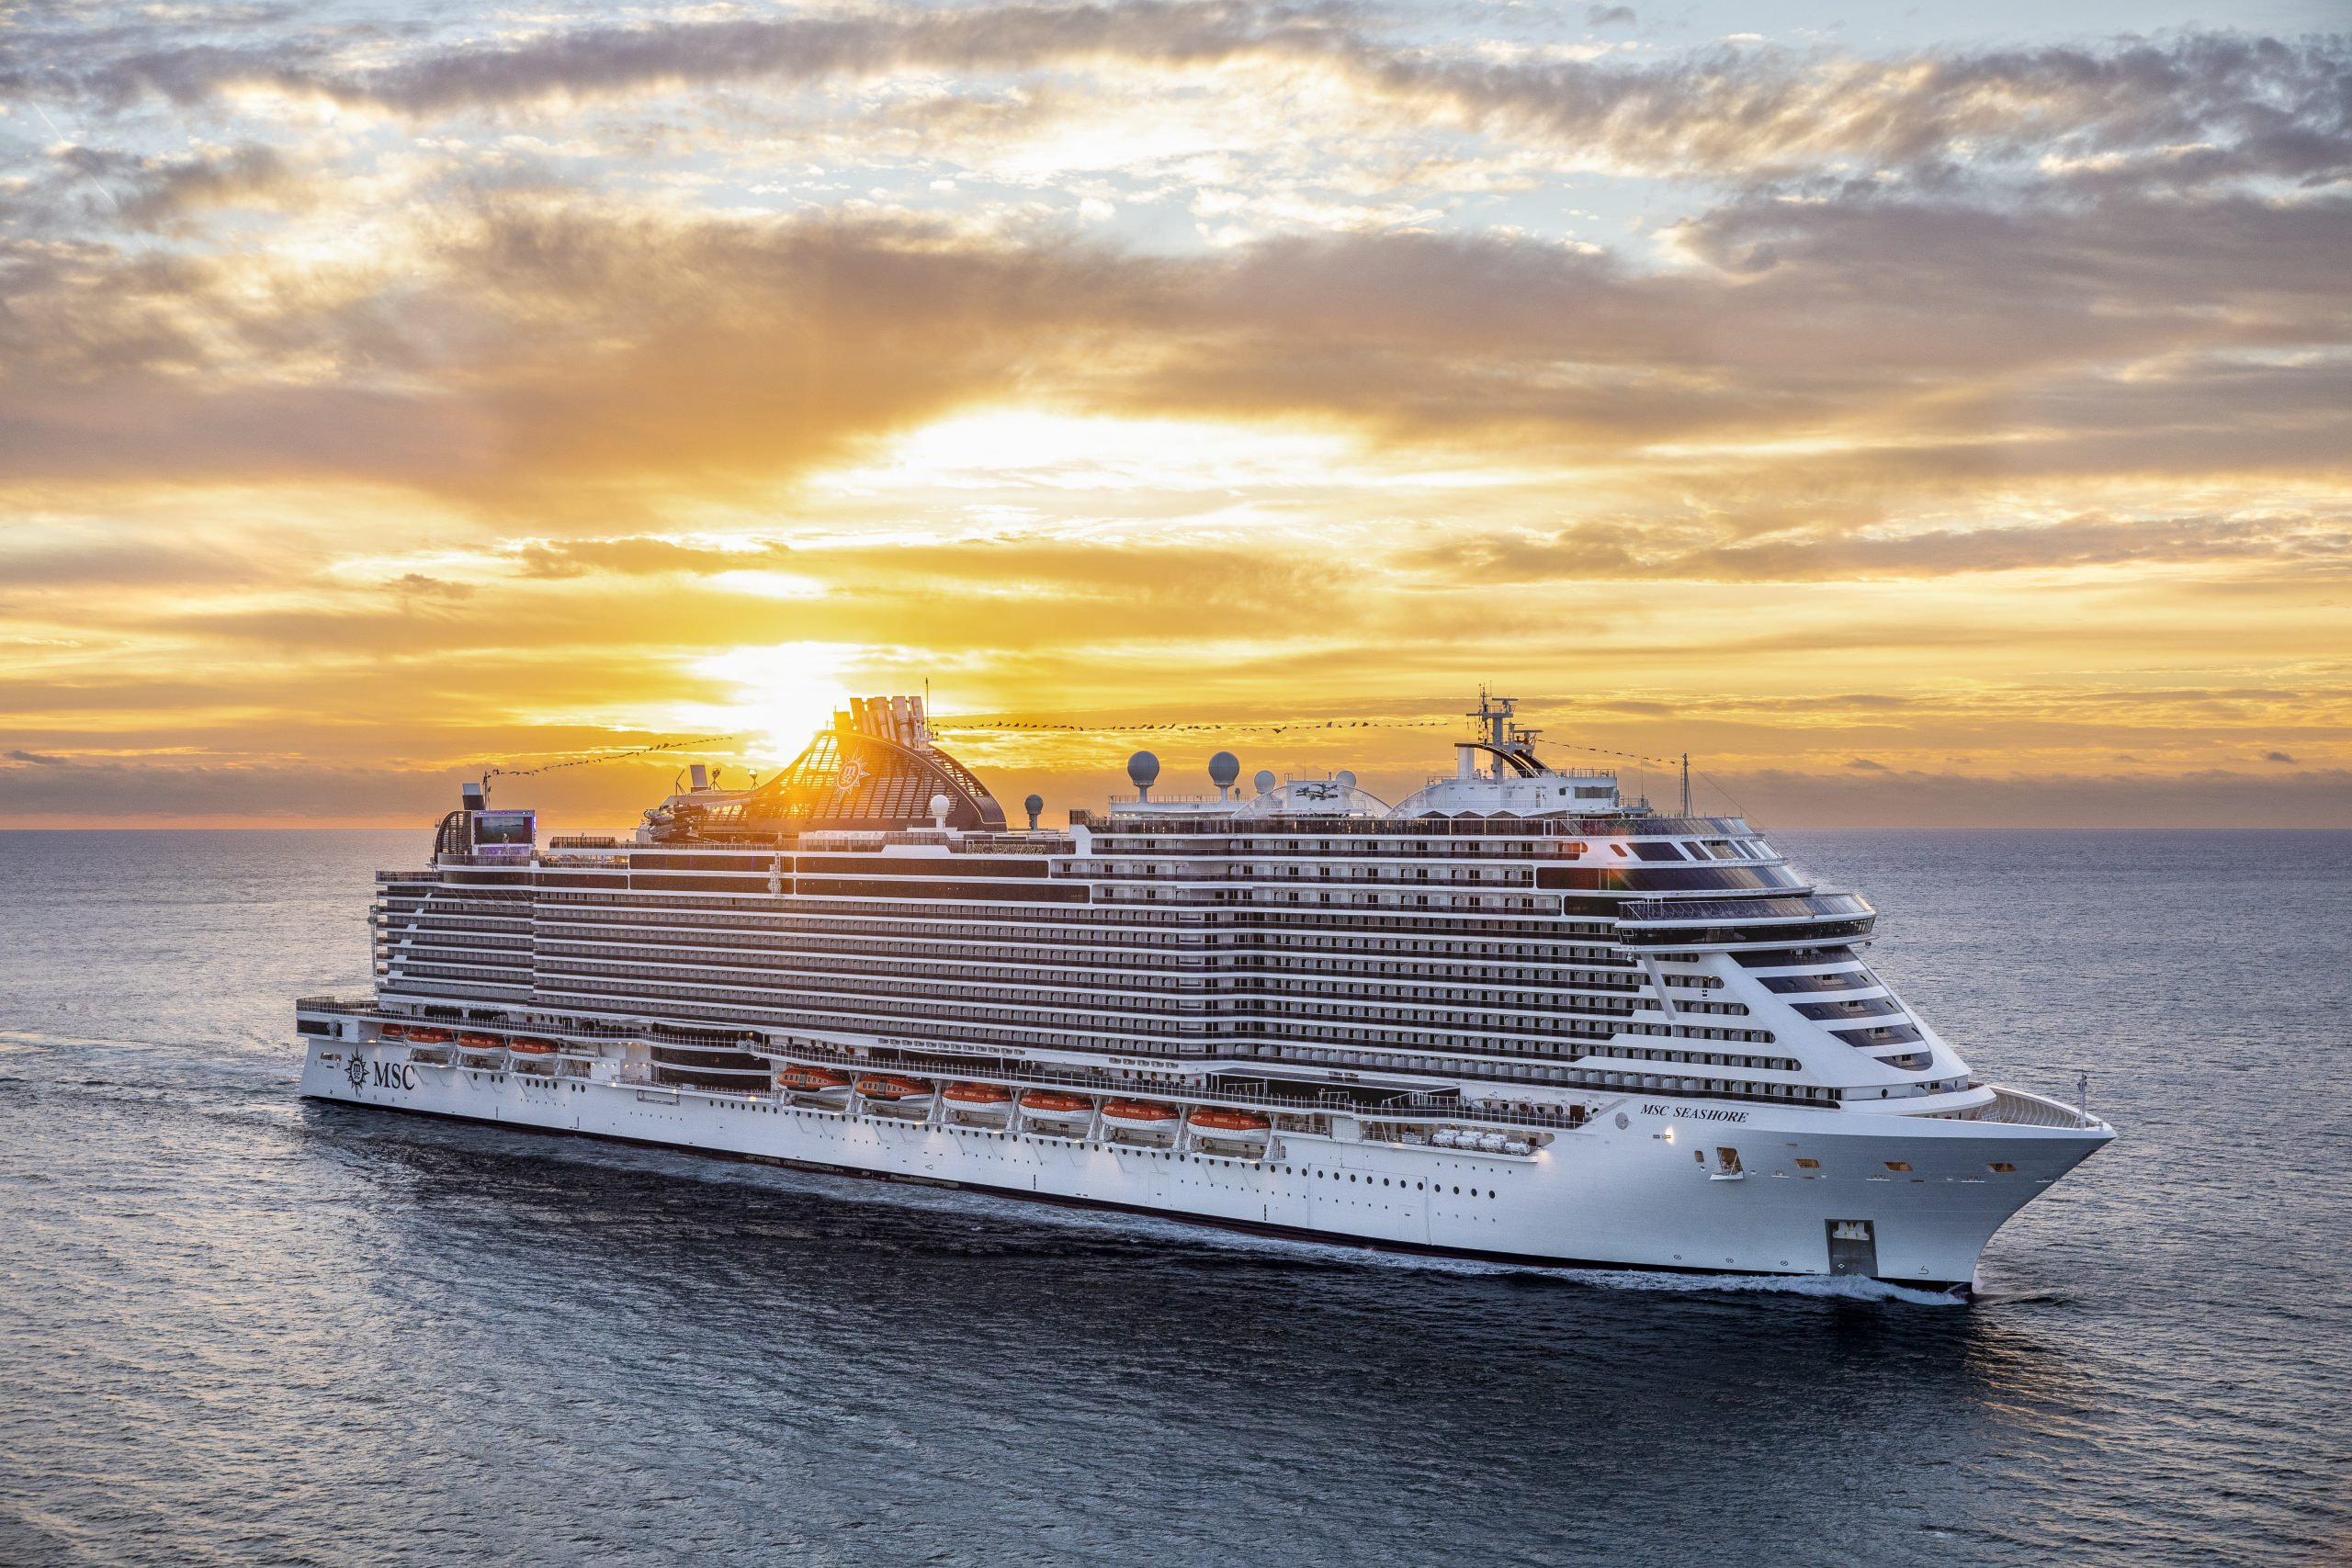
(1640, 1185)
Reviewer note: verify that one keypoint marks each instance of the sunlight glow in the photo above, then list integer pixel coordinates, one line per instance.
(783, 694)
(1054, 451)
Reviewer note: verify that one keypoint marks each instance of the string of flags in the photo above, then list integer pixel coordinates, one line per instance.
(1629, 756)
(1272, 726)
(604, 757)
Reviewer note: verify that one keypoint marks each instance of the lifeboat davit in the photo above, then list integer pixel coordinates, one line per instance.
(1055, 1111)
(820, 1084)
(1138, 1116)
(1240, 1129)
(986, 1102)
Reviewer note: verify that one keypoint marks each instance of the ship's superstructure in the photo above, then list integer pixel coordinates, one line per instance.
(1514, 1016)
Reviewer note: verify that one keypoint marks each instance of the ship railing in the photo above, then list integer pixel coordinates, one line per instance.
(1406, 1105)
(956, 1060)
(2017, 1108)
(654, 1034)
(1766, 909)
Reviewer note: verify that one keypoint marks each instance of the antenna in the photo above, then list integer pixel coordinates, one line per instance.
(1686, 784)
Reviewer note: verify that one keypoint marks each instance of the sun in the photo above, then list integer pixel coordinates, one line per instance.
(781, 695)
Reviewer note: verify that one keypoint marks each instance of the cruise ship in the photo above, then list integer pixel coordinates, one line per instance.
(1516, 1016)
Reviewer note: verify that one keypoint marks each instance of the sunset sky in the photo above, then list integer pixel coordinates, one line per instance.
(1920, 414)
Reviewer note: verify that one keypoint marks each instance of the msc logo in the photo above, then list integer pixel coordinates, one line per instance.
(380, 1075)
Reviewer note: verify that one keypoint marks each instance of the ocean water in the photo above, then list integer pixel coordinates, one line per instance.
(241, 1328)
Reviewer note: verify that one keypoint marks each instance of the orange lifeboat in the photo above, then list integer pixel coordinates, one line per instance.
(897, 1096)
(427, 1036)
(393, 1031)
(1054, 1111)
(1242, 1129)
(986, 1103)
(480, 1043)
(818, 1083)
(529, 1047)
(1138, 1116)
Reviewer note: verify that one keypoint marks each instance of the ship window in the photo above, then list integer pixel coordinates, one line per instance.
(2003, 1166)
(1803, 1164)
(1898, 1165)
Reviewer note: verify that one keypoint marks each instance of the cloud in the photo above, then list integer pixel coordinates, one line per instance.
(644, 557)
(1696, 550)
(78, 558)
(603, 61)
(417, 585)
(252, 176)
(2276, 757)
(2184, 110)
(540, 352)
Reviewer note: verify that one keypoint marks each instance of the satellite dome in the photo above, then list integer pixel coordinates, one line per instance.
(1224, 768)
(1264, 781)
(939, 803)
(1142, 769)
(1033, 805)
(1345, 778)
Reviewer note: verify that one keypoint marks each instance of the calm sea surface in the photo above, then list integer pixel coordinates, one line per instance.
(240, 1328)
